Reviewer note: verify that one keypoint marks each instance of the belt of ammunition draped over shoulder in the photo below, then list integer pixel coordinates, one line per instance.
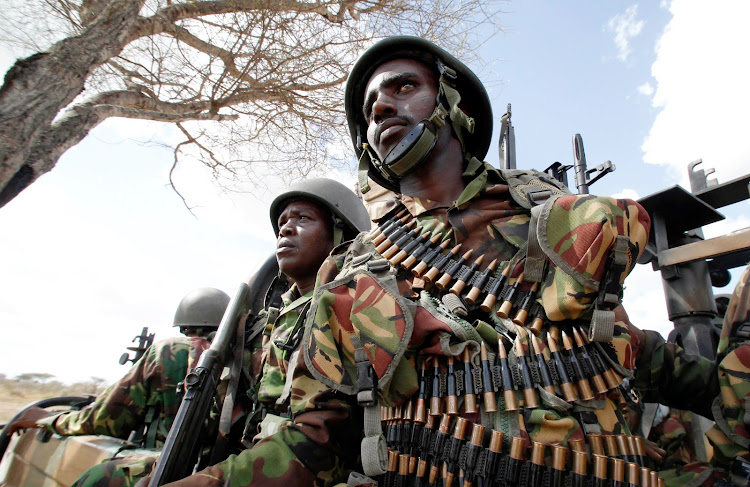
(539, 340)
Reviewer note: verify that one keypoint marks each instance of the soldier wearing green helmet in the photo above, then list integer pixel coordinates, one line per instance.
(461, 111)
(145, 399)
(310, 218)
(200, 311)
(141, 406)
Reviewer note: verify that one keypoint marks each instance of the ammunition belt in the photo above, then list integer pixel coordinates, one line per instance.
(563, 362)
(543, 365)
(452, 451)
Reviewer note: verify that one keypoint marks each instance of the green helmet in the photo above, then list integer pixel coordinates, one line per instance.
(457, 84)
(202, 308)
(349, 214)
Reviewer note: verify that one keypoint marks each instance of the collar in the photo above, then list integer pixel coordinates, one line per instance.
(479, 172)
(292, 299)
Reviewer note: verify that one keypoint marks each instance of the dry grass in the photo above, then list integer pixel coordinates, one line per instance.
(15, 393)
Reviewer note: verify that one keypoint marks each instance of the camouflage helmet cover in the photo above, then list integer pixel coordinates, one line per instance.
(203, 307)
(474, 97)
(340, 200)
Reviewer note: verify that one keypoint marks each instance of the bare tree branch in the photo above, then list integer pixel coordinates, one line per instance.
(249, 83)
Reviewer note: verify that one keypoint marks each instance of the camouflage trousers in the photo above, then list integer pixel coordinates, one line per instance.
(121, 472)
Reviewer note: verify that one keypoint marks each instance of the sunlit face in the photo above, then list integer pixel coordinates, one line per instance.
(399, 94)
(305, 239)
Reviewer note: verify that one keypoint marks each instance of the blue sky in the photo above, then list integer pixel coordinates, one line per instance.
(101, 246)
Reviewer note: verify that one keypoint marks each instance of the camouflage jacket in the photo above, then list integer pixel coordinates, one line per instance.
(146, 394)
(281, 340)
(399, 323)
(666, 374)
(731, 410)
(716, 389)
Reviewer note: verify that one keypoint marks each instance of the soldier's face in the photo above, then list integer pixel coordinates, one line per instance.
(399, 94)
(305, 239)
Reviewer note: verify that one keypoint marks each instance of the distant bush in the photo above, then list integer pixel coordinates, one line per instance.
(44, 385)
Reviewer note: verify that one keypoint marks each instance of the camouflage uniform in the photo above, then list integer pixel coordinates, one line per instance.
(146, 395)
(674, 435)
(718, 390)
(322, 444)
(278, 356)
(151, 384)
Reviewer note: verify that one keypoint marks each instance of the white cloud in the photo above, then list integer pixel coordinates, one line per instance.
(646, 89)
(627, 193)
(625, 26)
(644, 300)
(723, 227)
(702, 90)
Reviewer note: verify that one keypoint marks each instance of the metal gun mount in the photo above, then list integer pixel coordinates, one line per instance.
(145, 339)
(585, 177)
(690, 264)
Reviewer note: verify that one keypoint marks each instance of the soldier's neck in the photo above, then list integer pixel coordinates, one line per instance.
(439, 177)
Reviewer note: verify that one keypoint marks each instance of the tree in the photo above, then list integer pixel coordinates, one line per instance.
(249, 83)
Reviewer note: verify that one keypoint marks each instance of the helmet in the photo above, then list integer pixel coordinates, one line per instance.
(349, 214)
(457, 83)
(203, 307)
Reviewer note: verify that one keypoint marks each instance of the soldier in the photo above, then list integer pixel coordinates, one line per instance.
(310, 218)
(145, 400)
(382, 332)
(717, 390)
(301, 249)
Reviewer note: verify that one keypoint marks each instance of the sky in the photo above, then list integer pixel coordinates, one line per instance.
(101, 246)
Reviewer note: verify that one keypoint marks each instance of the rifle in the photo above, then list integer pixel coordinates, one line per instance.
(145, 339)
(182, 446)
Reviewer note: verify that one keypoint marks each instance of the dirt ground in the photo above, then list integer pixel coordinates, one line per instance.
(14, 395)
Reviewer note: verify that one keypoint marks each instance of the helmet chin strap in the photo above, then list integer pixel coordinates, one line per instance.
(418, 144)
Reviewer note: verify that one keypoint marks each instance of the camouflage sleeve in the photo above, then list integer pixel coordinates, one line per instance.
(731, 435)
(152, 381)
(319, 448)
(667, 375)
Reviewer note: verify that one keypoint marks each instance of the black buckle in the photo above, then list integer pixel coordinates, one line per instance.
(366, 384)
(610, 289)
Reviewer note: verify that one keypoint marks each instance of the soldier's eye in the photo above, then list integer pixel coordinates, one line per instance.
(406, 86)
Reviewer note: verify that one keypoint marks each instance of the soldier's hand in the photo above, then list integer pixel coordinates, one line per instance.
(654, 452)
(28, 419)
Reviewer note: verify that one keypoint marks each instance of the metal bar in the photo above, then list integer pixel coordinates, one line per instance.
(706, 249)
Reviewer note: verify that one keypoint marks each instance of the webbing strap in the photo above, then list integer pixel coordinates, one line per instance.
(152, 427)
(533, 268)
(602, 327)
(459, 120)
(373, 448)
(723, 425)
(289, 376)
(362, 170)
